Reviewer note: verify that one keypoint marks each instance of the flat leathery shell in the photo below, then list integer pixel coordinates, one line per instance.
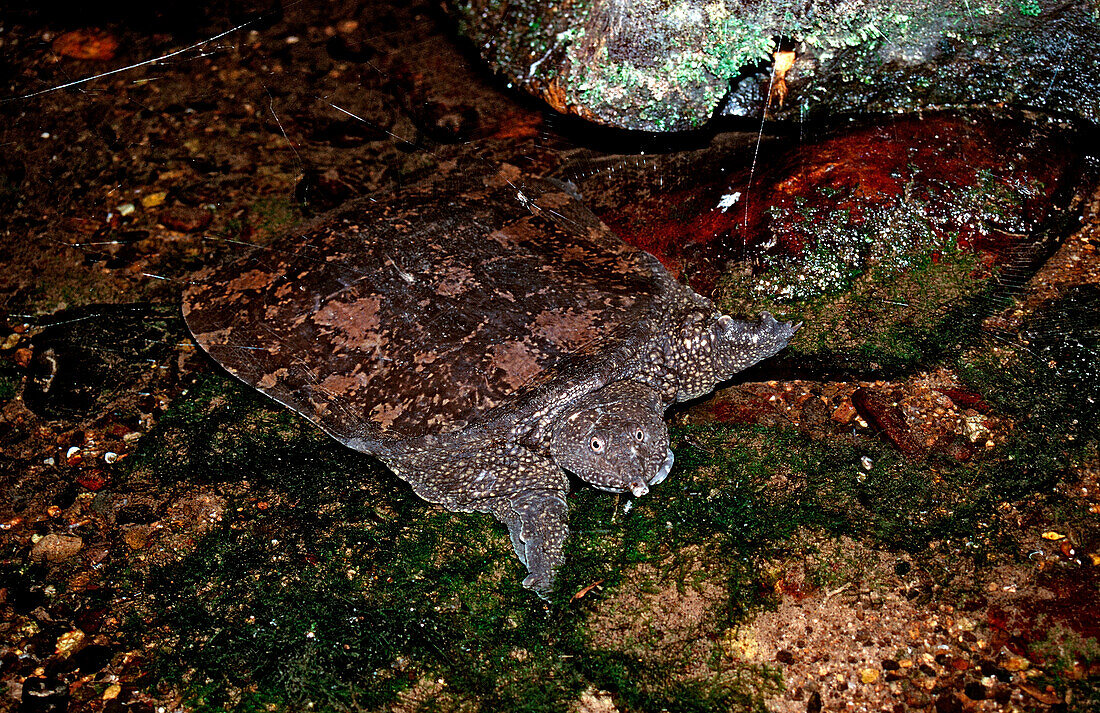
(422, 314)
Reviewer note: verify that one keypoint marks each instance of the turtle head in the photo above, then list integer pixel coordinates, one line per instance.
(615, 438)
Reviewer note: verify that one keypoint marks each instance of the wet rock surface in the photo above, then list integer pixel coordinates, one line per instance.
(659, 66)
(902, 516)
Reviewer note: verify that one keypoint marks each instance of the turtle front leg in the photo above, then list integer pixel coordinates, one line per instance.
(709, 351)
(538, 523)
(522, 489)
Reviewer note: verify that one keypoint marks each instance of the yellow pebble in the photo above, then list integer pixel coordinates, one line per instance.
(153, 199)
(69, 641)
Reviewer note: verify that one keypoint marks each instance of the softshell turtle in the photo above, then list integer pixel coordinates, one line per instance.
(481, 341)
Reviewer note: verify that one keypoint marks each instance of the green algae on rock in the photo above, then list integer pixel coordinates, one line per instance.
(661, 66)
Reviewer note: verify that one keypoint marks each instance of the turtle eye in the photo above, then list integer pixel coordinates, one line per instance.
(638, 435)
(597, 445)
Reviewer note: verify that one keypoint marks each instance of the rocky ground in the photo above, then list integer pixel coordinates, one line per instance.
(901, 513)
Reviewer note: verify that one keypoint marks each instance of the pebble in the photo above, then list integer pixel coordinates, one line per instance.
(69, 642)
(136, 538)
(152, 200)
(93, 480)
(185, 219)
(888, 419)
(844, 412)
(88, 44)
(949, 703)
(975, 691)
(56, 548)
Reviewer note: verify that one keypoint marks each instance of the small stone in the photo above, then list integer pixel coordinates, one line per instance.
(89, 44)
(813, 703)
(888, 419)
(890, 665)
(69, 642)
(1016, 663)
(784, 656)
(185, 219)
(949, 703)
(844, 412)
(1052, 536)
(56, 548)
(975, 691)
(868, 675)
(136, 538)
(22, 357)
(93, 480)
(43, 693)
(112, 692)
(152, 200)
(917, 698)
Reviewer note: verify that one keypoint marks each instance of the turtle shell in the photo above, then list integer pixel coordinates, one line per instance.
(432, 312)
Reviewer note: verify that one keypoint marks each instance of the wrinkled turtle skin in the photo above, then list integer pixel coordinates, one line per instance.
(481, 341)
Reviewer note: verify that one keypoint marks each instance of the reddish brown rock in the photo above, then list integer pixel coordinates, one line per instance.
(89, 43)
(956, 182)
(888, 420)
(185, 219)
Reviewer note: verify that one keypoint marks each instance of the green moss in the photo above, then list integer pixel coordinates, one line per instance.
(1070, 664)
(1049, 382)
(8, 387)
(273, 215)
(1031, 8)
(885, 286)
(328, 583)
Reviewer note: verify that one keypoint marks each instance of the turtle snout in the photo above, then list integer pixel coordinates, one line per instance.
(640, 484)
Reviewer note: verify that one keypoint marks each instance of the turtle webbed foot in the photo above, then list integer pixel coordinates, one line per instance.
(538, 524)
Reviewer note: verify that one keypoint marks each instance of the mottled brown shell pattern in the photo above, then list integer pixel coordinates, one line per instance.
(432, 311)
